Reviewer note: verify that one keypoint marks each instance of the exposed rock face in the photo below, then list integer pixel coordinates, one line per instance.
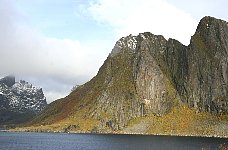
(208, 66)
(147, 74)
(19, 99)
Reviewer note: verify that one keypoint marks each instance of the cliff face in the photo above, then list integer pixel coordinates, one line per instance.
(147, 74)
(19, 101)
(208, 67)
(134, 82)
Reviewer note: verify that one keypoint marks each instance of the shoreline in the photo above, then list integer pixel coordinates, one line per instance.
(121, 133)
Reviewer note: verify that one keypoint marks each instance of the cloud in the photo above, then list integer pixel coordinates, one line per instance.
(31, 53)
(58, 64)
(133, 17)
(54, 64)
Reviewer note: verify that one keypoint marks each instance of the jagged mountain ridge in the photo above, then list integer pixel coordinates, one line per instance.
(147, 74)
(19, 101)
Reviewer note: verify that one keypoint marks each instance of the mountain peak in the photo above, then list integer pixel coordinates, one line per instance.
(19, 101)
(130, 42)
(211, 25)
(124, 42)
(211, 37)
(8, 80)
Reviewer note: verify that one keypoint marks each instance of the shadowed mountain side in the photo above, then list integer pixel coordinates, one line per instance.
(19, 101)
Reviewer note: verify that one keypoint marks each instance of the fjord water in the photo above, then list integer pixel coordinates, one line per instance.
(59, 141)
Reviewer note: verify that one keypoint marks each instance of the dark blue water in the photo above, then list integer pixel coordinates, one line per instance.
(62, 141)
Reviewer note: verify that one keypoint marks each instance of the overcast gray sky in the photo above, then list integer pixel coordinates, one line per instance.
(58, 44)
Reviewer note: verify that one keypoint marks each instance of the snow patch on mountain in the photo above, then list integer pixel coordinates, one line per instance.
(21, 96)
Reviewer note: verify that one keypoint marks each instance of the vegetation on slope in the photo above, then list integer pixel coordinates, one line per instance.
(184, 121)
(180, 121)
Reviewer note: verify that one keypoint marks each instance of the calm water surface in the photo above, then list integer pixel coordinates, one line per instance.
(63, 141)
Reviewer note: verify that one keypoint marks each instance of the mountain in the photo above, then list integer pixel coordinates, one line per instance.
(149, 84)
(19, 101)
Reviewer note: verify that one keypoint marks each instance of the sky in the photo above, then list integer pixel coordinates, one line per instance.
(58, 44)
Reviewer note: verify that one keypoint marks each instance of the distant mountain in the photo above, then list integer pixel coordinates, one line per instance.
(19, 101)
(152, 85)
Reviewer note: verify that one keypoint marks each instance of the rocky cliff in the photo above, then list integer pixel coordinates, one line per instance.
(148, 75)
(19, 101)
(207, 84)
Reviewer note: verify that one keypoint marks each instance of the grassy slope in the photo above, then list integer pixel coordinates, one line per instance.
(180, 121)
(184, 121)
